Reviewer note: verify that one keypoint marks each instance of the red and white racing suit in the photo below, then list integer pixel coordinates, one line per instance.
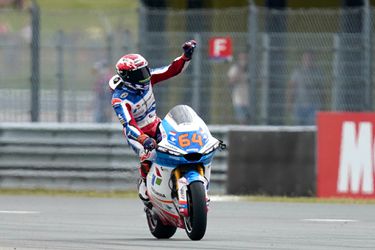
(136, 109)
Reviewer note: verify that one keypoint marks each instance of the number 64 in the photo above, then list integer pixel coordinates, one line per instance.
(185, 141)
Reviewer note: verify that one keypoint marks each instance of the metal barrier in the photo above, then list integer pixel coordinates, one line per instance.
(78, 157)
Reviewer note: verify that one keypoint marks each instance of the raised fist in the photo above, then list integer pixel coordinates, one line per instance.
(188, 48)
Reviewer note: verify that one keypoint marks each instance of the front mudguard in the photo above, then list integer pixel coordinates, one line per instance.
(183, 187)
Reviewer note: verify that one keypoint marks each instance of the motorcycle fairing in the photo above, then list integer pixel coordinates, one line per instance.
(172, 161)
(192, 176)
(166, 208)
(183, 132)
(183, 183)
(183, 156)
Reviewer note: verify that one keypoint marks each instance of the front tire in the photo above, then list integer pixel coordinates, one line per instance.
(196, 222)
(157, 228)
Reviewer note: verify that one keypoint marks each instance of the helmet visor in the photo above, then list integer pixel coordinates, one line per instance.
(140, 76)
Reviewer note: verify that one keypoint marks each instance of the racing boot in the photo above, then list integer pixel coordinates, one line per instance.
(142, 192)
(142, 188)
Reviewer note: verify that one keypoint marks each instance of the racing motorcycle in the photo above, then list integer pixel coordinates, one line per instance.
(179, 177)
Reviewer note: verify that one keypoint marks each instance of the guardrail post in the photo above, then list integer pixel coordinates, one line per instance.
(60, 75)
(35, 69)
(367, 40)
(252, 45)
(197, 74)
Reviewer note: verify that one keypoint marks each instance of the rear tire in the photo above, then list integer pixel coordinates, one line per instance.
(196, 222)
(157, 228)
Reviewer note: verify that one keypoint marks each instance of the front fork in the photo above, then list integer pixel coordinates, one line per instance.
(182, 181)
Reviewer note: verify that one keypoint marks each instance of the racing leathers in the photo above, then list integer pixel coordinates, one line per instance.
(136, 109)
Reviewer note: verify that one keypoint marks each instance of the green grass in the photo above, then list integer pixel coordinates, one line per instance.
(90, 17)
(86, 25)
(59, 14)
(134, 194)
(71, 193)
(87, 4)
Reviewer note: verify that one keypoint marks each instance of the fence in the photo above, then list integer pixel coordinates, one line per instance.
(72, 44)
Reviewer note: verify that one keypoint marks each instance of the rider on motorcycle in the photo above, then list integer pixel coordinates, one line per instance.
(134, 103)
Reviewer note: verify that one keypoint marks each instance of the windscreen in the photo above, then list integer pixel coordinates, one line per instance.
(182, 114)
(185, 130)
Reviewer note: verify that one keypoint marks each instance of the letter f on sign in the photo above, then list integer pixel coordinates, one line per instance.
(220, 44)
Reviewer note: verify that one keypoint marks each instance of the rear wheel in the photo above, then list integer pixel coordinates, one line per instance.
(196, 222)
(157, 228)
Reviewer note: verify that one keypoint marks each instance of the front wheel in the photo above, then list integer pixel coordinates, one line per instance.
(196, 222)
(157, 228)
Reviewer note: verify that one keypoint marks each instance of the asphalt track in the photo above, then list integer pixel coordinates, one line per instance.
(77, 223)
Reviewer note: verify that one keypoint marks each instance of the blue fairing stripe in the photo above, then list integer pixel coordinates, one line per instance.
(173, 138)
(172, 161)
(192, 176)
(167, 127)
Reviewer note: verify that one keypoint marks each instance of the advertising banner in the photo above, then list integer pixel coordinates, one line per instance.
(345, 154)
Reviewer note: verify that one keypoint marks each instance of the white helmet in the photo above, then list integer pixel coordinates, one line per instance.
(133, 71)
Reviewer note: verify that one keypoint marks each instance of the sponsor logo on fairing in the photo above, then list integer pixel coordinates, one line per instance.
(156, 177)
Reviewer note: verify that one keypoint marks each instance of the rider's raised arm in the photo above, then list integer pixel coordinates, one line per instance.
(177, 66)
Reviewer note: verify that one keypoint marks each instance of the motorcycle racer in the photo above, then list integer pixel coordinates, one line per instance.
(134, 103)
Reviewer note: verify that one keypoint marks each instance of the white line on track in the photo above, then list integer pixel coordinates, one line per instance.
(330, 220)
(224, 198)
(18, 212)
